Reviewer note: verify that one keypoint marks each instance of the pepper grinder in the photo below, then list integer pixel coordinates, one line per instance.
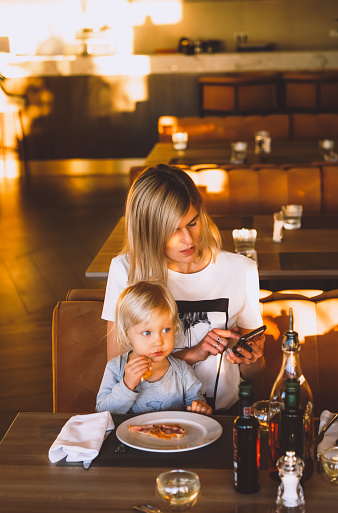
(290, 495)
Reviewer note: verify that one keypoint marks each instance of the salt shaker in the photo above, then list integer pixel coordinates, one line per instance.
(290, 495)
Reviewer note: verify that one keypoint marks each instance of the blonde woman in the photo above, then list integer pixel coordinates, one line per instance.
(146, 378)
(170, 238)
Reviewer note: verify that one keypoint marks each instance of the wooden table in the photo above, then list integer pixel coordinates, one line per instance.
(310, 253)
(30, 483)
(282, 152)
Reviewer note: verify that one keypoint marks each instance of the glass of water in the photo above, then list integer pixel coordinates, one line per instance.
(292, 216)
(261, 412)
(177, 490)
(244, 242)
(180, 140)
(238, 152)
(329, 460)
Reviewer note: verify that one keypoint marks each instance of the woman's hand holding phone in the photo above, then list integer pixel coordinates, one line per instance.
(217, 340)
(249, 347)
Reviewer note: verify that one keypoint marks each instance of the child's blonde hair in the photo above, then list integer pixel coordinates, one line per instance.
(157, 200)
(137, 303)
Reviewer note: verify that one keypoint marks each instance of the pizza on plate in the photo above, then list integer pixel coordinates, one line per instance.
(163, 431)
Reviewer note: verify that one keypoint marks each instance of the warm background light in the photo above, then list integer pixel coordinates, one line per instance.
(157, 24)
(51, 26)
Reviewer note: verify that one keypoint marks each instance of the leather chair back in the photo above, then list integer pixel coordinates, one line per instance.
(79, 349)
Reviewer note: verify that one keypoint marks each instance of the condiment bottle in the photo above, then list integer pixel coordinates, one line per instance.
(290, 495)
(246, 444)
(292, 421)
(290, 368)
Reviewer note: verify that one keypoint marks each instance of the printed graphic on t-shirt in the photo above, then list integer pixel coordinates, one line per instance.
(199, 317)
(155, 405)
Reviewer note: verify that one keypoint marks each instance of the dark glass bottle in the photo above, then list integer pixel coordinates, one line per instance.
(290, 368)
(292, 421)
(246, 444)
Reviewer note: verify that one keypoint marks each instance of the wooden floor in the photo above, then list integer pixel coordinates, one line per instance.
(51, 227)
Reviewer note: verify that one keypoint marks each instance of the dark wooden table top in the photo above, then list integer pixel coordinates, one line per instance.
(30, 483)
(309, 253)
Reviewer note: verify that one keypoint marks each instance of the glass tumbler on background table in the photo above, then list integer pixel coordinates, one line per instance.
(238, 152)
(326, 147)
(180, 140)
(292, 216)
(244, 242)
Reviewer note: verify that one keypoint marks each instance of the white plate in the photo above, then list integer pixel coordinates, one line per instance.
(200, 431)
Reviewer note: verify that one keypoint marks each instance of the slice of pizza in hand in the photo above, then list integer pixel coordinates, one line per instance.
(164, 431)
(147, 374)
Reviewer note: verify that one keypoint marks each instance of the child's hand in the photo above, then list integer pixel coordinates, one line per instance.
(134, 371)
(200, 407)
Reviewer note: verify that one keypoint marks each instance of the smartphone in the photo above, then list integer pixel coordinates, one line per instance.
(243, 341)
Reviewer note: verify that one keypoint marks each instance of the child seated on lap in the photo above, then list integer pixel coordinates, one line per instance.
(146, 378)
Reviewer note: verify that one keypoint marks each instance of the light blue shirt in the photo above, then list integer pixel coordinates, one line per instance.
(177, 389)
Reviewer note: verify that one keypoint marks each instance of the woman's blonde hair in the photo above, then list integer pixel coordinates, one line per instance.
(140, 302)
(158, 199)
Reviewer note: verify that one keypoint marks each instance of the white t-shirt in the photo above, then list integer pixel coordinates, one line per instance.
(223, 295)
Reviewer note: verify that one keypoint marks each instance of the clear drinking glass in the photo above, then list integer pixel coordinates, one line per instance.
(180, 140)
(177, 490)
(326, 147)
(329, 459)
(244, 242)
(261, 412)
(292, 216)
(238, 152)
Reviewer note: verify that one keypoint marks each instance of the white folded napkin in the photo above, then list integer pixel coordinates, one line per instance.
(81, 438)
(331, 434)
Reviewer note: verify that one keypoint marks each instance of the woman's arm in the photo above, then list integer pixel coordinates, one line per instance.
(213, 343)
(250, 365)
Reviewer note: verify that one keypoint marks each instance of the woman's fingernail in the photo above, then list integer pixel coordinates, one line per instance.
(239, 350)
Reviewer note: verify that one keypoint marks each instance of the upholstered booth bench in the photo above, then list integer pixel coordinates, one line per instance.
(300, 126)
(254, 191)
(80, 345)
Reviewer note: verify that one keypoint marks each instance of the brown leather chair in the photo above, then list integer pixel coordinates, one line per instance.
(327, 125)
(228, 128)
(273, 189)
(330, 188)
(238, 93)
(314, 126)
(79, 349)
(134, 171)
(278, 125)
(244, 190)
(304, 188)
(311, 91)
